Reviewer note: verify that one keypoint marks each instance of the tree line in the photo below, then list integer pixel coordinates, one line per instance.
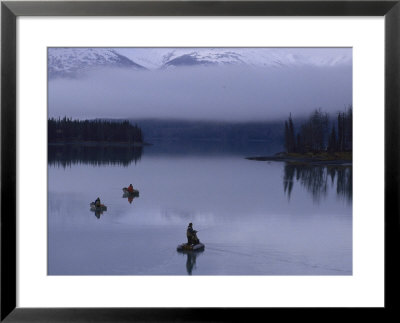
(319, 133)
(68, 130)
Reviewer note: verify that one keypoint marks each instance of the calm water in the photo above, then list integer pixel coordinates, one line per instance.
(255, 218)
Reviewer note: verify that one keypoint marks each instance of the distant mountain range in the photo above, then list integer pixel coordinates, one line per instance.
(72, 62)
(154, 58)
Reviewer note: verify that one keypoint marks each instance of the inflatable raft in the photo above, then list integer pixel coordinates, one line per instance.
(189, 247)
(93, 207)
(135, 193)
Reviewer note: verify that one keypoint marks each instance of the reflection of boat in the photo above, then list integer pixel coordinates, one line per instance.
(188, 247)
(191, 252)
(135, 193)
(95, 208)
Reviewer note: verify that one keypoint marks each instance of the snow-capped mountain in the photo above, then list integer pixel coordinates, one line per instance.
(154, 58)
(72, 62)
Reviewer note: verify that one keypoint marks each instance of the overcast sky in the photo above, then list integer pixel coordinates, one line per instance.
(232, 93)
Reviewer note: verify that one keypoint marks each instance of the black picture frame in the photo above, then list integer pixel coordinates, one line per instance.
(10, 10)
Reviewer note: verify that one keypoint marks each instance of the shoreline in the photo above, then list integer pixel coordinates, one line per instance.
(318, 159)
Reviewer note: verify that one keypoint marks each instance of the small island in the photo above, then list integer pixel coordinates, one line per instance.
(316, 142)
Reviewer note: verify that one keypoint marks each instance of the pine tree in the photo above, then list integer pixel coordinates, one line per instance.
(287, 136)
(292, 140)
(332, 145)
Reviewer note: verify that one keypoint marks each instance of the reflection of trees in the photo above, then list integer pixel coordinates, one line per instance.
(344, 186)
(288, 180)
(68, 154)
(316, 180)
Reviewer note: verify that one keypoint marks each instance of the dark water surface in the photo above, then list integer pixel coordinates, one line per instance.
(255, 218)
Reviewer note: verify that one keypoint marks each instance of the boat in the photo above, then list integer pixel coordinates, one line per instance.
(188, 247)
(135, 193)
(93, 207)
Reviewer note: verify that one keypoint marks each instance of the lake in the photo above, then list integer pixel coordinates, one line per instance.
(254, 217)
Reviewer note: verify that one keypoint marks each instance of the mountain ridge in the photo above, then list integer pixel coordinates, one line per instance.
(73, 61)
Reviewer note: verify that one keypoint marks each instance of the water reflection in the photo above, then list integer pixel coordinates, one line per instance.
(175, 191)
(70, 154)
(97, 213)
(130, 197)
(191, 257)
(317, 180)
(211, 148)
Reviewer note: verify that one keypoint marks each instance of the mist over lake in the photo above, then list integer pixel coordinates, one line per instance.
(233, 93)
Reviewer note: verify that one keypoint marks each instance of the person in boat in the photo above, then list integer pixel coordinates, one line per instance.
(97, 202)
(192, 235)
(130, 188)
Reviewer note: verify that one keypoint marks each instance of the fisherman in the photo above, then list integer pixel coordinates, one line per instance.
(191, 235)
(97, 202)
(130, 188)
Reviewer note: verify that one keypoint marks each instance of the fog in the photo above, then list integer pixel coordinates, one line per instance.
(230, 93)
